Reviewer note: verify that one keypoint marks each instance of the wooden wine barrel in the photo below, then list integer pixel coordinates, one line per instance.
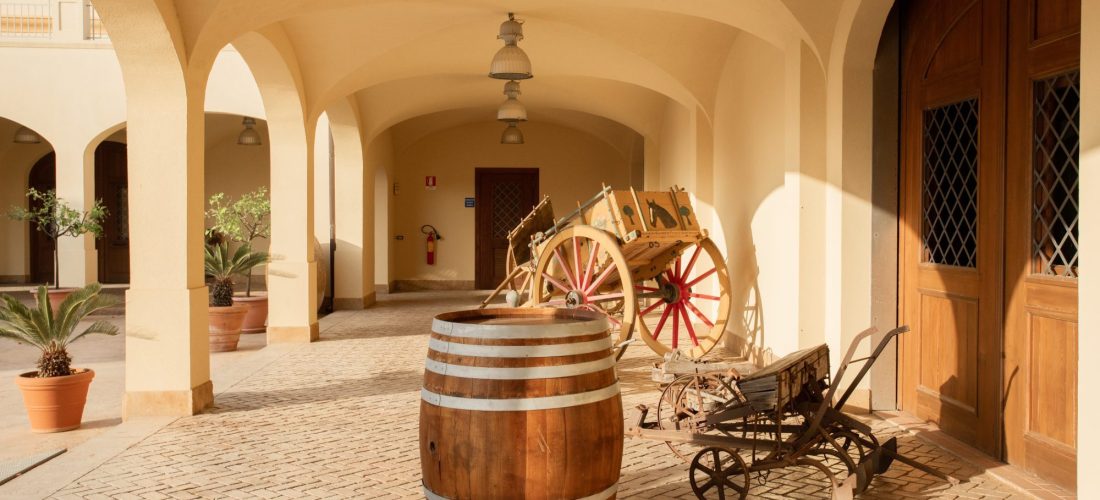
(520, 403)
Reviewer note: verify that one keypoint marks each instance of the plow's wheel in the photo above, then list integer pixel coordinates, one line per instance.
(582, 267)
(684, 406)
(719, 473)
(686, 306)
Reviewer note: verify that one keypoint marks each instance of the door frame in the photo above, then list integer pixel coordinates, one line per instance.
(987, 277)
(480, 247)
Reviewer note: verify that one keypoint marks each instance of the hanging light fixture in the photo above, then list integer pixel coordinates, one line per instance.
(511, 109)
(512, 134)
(25, 135)
(510, 62)
(249, 136)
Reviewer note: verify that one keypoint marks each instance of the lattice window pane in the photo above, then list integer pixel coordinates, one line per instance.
(1056, 175)
(508, 208)
(949, 197)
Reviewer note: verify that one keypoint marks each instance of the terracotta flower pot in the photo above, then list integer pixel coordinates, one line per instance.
(55, 404)
(255, 321)
(57, 295)
(225, 327)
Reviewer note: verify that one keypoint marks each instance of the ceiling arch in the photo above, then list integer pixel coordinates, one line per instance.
(389, 103)
(618, 136)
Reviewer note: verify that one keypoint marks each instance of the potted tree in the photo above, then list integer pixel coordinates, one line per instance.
(244, 221)
(55, 393)
(225, 317)
(55, 218)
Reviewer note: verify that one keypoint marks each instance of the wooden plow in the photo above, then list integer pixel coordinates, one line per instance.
(729, 428)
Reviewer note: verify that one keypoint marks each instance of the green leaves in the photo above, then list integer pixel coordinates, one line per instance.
(242, 220)
(55, 218)
(222, 266)
(52, 331)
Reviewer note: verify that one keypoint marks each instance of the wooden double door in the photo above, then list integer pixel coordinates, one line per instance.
(110, 187)
(504, 196)
(989, 189)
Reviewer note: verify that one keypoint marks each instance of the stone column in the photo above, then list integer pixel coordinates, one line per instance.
(292, 274)
(354, 211)
(76, 185)
(167, 346)
(167, 339)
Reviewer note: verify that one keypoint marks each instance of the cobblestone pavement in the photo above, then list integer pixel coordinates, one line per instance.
(338, 419)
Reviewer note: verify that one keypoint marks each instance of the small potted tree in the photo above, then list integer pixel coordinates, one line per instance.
(55, 218)
(55, 393)
(244, 221)
(226, 318)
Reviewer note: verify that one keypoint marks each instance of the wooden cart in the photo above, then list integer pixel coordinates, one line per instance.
(729, 427)
(640, 257)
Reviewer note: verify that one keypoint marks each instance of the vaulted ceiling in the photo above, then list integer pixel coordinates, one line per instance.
(620, 60)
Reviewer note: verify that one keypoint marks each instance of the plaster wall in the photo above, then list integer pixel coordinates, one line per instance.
(676, 148)
(380, 158)
(234, 169)
(755, 224)
(572, 165)
(16, 161)
(74, 112)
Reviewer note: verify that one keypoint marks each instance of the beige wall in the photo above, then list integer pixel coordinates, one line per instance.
(231, 168)
(16, 161)
(380, 158)
(754, 227)
(571, 166)
(74, 114)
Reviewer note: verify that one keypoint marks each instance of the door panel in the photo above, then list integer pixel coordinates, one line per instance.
(504, 196)
(989, 265)
(952, 195)
(43, 178)
(1041, 266)
(111, 188)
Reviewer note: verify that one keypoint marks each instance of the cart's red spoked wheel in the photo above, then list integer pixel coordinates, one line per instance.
(686, 307)
(582, 267)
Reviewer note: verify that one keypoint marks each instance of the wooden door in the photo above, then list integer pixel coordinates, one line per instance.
(951, 203)
(111, 187)
(1041, 267)
(43, 178)
(504, 196)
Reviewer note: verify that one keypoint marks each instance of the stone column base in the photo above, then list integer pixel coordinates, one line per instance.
(293, 334)
(168, 403)
(353, 303)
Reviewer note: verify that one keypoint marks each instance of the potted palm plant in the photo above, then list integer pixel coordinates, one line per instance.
(56, 219)
(244, 221)
(225, 317)
(55, 393)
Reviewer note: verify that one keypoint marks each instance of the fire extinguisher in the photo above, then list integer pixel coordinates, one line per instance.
(433, 236)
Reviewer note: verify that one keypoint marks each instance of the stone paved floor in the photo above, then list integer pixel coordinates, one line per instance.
(338, 419)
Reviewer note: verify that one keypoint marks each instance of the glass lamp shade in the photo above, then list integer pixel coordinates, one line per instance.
(510, 63)
(512, 110)
(511, 89)
(511, 134)
(25, 135)
(249, 136)
(511, 31)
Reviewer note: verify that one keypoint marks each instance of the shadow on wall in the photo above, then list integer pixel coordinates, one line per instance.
(746, 326)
